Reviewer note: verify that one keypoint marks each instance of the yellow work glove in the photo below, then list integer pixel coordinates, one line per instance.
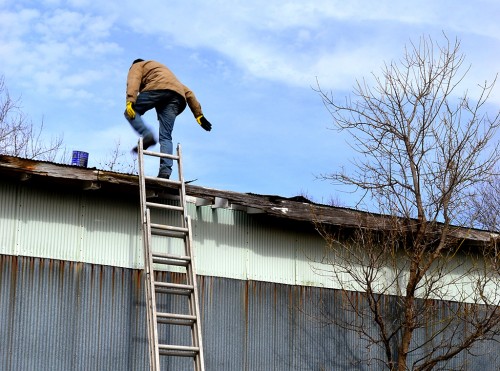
(204, 123)
(130, 110)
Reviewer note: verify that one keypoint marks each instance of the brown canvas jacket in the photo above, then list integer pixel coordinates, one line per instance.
(151, 75)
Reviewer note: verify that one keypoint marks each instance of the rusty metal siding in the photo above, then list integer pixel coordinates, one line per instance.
(59, 315)
(62, 315)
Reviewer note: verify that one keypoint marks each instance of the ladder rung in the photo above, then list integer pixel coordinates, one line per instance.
(170, 228)
(163, 206)
(182, 261)
(160, 290)
(157, 232)
(163, 180)
(178, 350)
(166, 261)
(176, 319)
(159, 154)
(179, 286)
(170, 256)
(173, 288)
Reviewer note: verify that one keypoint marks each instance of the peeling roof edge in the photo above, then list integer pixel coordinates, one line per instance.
(295, 208)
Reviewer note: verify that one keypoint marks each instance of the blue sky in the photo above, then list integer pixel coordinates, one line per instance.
(252, 65)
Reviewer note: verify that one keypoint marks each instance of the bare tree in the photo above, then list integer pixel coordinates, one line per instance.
(486, 205)
(424, 152)
(19, 136)
(119, 160)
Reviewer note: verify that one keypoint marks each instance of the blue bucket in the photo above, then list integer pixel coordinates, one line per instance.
(80, 158)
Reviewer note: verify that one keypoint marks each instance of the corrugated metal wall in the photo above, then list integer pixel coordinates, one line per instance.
(89, 227)
(60, 316)
(71, 294)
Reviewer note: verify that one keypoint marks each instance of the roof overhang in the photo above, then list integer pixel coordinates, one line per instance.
(48, 174)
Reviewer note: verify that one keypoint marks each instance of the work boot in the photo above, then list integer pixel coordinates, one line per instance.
(147, 141)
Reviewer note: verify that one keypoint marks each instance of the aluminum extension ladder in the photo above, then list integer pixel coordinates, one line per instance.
(155, 287)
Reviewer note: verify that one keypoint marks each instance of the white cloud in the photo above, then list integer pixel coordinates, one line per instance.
(294, 41)
(14, 25)
(287, 41)
(56, 50)
(63, 23)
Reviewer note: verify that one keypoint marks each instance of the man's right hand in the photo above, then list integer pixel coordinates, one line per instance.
(129, 110)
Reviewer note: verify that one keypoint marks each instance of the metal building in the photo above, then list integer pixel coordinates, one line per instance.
(72, 291)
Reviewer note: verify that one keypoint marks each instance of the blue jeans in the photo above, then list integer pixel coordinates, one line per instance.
(168, 105)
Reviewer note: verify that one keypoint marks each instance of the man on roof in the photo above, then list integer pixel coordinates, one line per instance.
(152, 85)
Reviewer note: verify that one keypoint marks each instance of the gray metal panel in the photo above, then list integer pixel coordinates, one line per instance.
(110, 231)
(50, 224)
(92, 228)
(272, 253)
(221, 242)
(60, 315)
(8, 217)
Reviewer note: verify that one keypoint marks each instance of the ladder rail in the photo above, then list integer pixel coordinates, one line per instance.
(183, 189)
(154, 359)
(194, 303)
(154, 362)
(152, 295)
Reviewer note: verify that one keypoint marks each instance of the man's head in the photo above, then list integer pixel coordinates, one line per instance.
(137, 61)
